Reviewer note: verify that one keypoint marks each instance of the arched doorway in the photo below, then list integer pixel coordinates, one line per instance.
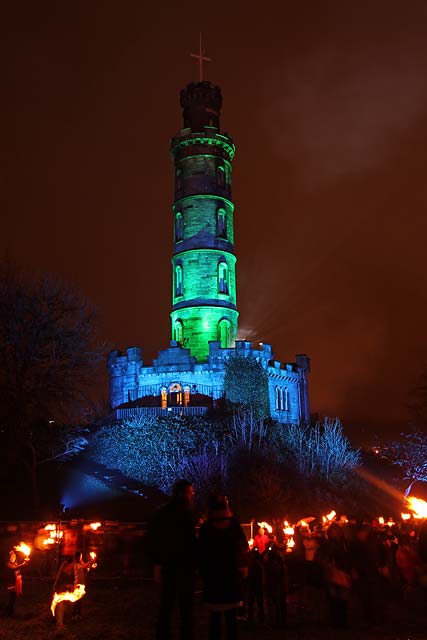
(175, 395)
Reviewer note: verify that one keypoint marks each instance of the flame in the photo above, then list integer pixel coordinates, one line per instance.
(266, 526)
(381, 520)
(92, 555)
(71, 596)
(95, 525)
(390, 522)
(251, 543)
(405, 516)
(418, 507)
(287, 529)
(329, 516)
(54, 534)
(290, 543)
(24, 548)
(303, 523)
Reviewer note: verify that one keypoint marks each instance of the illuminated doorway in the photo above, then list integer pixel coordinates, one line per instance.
(175, 395)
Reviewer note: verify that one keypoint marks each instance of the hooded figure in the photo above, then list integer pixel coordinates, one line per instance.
(335, 559)
(223, 554)
(171, 544)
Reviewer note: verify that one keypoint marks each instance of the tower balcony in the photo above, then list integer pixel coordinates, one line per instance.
(210, 141)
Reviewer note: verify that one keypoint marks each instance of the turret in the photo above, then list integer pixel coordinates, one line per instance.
(201, 106)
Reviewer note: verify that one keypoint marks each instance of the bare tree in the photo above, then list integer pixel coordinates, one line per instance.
(319, 451)
(248, 430)
(207, 470)
(409, 453)
(48, 357)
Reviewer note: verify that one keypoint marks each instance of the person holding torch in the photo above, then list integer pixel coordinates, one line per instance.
(14, 581)
(80, 570)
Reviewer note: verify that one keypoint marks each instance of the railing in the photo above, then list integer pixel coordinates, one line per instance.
(136, 412)
(213, 391)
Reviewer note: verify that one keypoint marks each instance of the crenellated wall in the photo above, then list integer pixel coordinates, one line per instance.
(132, 382)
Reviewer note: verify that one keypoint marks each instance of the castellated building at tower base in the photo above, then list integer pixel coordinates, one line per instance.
(188, 377)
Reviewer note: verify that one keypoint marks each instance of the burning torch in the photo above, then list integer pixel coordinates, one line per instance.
(70, 596)
(418, 507)
(25, 549)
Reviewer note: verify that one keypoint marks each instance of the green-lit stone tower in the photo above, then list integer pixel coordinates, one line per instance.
(187, 378)
(203, 263)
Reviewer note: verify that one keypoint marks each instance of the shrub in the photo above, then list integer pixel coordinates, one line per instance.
(246, 385)
(155, 450)
(321, 451)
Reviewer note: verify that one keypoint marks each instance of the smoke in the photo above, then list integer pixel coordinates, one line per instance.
(342, 111)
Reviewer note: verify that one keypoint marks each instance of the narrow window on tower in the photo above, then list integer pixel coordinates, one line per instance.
(178, 331)
(224, 333)
(277, 390)
(220, 176)
(222, 277)
(222, 224)
(178, 180)
(178, 280)
(178, 227)
(287, 399)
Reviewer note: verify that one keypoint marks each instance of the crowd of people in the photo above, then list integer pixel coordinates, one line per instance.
(329, 568)
(360, 565)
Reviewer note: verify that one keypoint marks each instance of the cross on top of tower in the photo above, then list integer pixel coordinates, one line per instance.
(201, 58)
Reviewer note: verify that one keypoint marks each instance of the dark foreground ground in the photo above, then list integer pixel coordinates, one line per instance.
(115, 610)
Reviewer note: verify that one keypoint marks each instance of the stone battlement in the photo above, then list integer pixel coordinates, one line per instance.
(175, 371)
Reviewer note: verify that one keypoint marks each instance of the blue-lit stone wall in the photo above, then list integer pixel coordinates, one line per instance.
(131, 381)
